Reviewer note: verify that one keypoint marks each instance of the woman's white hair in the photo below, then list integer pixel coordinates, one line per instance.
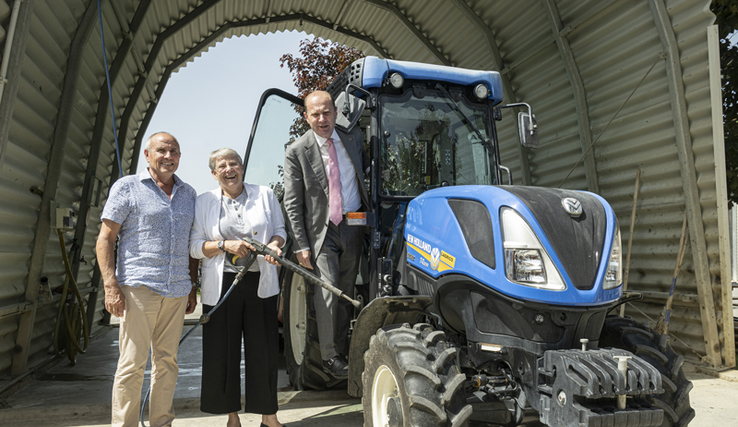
(223, 153)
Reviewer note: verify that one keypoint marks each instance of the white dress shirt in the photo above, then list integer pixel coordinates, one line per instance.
(349, 186)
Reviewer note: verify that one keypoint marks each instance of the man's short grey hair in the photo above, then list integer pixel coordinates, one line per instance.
(151, 138)
(223, 153)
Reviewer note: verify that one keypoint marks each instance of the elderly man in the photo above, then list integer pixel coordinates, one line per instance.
(151, 287)
(323, 178)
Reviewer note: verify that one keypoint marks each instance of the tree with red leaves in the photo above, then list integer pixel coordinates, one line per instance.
(320, 62)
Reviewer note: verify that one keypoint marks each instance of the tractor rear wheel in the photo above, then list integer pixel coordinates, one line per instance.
(300, 333)
(647, 344)
(411, 379)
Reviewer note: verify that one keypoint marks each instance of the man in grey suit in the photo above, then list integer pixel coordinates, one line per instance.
(323, 180)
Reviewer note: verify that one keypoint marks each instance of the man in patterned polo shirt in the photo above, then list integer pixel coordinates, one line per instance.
(151, 287)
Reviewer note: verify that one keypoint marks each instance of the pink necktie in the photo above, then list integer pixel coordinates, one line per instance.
(334, 185)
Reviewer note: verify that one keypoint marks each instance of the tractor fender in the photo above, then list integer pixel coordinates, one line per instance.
(379, 313)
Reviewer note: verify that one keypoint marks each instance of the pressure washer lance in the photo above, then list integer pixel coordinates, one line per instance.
(263, 249)
(205, 318)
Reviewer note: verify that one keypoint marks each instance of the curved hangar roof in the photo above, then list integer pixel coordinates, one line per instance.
(617, 86)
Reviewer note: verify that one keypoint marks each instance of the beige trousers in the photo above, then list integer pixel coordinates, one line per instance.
(149, 321)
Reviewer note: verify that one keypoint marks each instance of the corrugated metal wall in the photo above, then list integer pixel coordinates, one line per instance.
(576, 62)
(27, 156)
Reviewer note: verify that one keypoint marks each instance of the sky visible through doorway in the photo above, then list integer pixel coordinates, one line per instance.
(211, 102)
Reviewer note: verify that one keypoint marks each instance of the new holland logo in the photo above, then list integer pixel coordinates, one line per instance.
(435, 258)
(572, 206)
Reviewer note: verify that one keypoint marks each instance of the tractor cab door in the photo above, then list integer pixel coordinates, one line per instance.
(270, 135)
(275, 127)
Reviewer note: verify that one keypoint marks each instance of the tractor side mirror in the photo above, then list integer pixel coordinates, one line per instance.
(528, 128)
(527, 125)
(349, 108)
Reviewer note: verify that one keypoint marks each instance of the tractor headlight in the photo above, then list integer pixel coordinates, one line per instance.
(481, 91)
(614, 273)
(525, 265)
(526, 261)
(396, 80)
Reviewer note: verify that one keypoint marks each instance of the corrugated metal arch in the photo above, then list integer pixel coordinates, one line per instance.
(507, 87)
(405, 21)
(61, 131)
(580, 104)
(574, 61)
(689, 180)
(218, 35)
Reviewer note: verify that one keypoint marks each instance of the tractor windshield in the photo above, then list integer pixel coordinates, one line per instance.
(427, 143)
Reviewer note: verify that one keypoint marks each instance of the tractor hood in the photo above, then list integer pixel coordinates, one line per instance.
(533, 243)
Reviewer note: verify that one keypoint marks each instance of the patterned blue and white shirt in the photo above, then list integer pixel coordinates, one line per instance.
(154, 233)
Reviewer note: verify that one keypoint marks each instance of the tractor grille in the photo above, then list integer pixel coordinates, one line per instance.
(579, 241)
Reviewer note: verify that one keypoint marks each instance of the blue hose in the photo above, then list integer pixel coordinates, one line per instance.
(110, 93)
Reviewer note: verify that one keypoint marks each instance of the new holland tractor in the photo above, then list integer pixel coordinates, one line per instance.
(480, 301)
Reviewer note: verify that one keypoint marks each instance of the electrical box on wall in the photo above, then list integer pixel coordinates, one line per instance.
(65, 218)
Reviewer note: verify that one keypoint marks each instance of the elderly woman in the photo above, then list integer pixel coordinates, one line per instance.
(222, 217)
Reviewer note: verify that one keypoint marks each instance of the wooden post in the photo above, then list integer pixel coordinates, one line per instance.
(662, 326)
(630, 238)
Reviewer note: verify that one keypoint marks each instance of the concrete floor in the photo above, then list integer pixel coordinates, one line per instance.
(79, 395)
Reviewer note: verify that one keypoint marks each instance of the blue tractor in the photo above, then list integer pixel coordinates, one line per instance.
(482, 302)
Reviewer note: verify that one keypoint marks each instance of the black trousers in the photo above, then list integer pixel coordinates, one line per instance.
(242, 315)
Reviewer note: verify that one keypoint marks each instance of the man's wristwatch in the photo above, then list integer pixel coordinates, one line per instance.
(220, 245)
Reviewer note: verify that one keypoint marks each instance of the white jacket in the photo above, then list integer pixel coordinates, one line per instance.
(265, 216)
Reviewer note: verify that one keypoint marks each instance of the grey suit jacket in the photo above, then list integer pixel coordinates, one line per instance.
(306, 186)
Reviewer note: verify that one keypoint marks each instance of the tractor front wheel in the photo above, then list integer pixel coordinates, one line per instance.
(412, 379)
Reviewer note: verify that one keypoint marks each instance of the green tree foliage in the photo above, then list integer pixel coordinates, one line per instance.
(316, 67)
(727, 21)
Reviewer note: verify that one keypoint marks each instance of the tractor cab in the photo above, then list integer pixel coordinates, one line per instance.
(425, 127)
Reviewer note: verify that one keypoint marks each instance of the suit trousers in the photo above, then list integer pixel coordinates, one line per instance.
(150, 321)
(337, 263)
(242, 316)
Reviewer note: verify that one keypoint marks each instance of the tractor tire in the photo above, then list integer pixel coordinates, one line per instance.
(646, 343)
(300, 334)
(412, 379)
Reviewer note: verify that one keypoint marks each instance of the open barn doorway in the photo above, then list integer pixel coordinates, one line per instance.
(210, 103)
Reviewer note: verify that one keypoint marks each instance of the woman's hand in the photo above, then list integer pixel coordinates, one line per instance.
(275, 246)
(237, 247)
